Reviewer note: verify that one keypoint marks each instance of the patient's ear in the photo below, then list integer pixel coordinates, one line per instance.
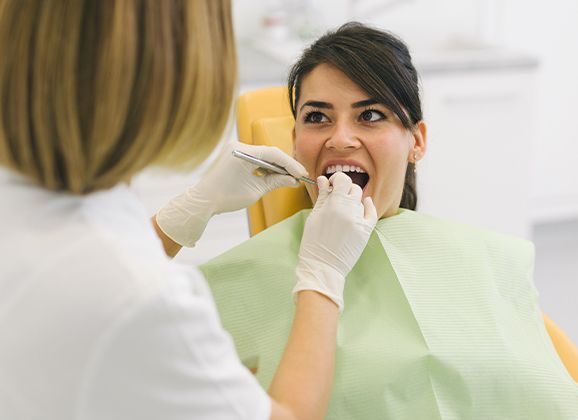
(420, 139)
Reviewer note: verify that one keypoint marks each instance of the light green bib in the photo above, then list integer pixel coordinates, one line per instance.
(441, 321)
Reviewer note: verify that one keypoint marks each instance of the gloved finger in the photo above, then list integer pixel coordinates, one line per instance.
(274, 181)
(277, 156)
(323, 183)
(355, 192)
(341, 182)
(324, 189)
(370, 212)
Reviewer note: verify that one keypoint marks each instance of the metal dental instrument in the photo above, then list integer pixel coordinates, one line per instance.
(269, 166)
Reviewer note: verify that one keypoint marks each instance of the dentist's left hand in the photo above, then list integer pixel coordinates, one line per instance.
(230, 184)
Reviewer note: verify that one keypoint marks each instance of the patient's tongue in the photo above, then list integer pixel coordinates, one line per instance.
(360, 179)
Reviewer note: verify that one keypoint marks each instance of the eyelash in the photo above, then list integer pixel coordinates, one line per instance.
(381, 114)
(308, 115)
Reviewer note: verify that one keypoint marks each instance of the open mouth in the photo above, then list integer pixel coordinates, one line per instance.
(356, 173)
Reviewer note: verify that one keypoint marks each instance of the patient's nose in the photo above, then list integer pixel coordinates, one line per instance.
(343, 137)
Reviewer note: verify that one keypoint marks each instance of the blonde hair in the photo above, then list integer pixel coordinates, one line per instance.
(93, 91)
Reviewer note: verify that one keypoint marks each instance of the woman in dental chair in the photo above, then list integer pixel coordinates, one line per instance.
(442, 320)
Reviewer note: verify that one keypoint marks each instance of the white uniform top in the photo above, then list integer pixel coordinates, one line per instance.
(97, 323)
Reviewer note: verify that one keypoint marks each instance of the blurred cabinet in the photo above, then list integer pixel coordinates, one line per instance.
(548, 31)
(477, 166)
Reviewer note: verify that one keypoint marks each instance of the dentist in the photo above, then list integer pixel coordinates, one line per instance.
(96, 321)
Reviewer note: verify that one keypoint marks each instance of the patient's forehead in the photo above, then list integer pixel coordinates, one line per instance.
(327, 83)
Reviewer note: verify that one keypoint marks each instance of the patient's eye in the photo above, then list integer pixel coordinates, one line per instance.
(315, 117)
(371, 115)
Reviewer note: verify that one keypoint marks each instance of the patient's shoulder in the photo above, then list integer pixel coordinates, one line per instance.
(414, 226)
(427, 221)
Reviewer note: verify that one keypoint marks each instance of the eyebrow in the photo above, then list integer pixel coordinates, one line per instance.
(316, 104)
(364, 103)
(327, 105)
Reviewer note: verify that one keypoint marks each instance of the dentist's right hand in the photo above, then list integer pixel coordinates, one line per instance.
(336, 233)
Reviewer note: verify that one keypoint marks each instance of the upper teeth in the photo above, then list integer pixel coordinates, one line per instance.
(343, 168)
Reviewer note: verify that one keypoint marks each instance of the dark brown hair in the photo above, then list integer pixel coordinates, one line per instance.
(93, 91)
(379, 63)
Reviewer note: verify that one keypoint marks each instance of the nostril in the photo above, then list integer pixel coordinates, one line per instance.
(343, 141)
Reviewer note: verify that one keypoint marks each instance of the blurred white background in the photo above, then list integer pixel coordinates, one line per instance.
(499, 91)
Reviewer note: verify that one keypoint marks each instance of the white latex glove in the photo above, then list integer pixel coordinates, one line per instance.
(230, 184)
(336, 233)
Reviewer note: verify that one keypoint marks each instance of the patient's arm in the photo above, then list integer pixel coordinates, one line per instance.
(565, 348)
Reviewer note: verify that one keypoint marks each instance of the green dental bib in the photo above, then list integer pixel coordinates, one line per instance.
(441, 321)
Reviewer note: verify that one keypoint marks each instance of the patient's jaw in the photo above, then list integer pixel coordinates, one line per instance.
(339, 127)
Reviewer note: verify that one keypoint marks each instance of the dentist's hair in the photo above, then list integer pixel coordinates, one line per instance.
(380, 64)
(93, 91)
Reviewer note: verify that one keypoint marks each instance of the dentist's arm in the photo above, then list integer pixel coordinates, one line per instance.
(335, 235)
(302, 383)
(229, 185)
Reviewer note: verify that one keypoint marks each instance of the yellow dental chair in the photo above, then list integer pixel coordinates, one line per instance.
(264, 118)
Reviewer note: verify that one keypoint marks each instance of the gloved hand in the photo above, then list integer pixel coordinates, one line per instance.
(230, 184)
(336, 233)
